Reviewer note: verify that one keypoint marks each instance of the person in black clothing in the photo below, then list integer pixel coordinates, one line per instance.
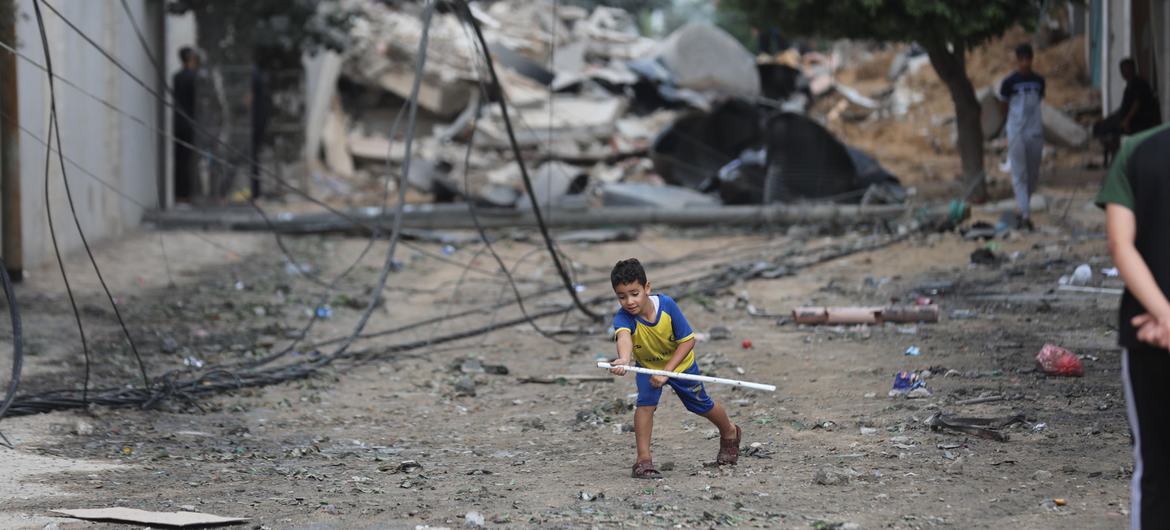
(1139, 110)
(183, 123)
(258, 99)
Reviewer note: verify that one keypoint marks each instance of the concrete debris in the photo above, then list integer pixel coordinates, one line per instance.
(648, 195)
(705, 58)
(554, 180)
(1059, 128)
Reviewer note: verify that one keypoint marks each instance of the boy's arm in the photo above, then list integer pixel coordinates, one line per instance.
(625, 350)
(1121, 227)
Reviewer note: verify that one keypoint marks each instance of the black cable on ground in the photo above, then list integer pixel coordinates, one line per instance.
(220, 380)
(465, 12)
(473, 210)
(72, 207)
(17, 339)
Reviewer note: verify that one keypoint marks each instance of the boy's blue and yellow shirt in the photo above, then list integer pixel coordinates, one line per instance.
(655, 342)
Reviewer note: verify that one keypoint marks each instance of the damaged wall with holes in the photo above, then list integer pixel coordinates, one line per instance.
(96, 139)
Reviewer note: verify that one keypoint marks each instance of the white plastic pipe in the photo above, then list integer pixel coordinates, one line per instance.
(690, 377)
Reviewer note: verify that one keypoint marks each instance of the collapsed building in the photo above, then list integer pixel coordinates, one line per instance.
(603, 115)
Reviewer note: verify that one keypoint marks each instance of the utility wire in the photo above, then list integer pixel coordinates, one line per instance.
(72, 207)
(465, 11)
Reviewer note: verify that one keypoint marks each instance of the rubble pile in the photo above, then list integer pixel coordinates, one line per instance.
(601, 113)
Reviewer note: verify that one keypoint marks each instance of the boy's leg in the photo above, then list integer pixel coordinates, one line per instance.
(648, 397)
(643, 427)
(1146, 395)
(718, 417)
(1017, 156)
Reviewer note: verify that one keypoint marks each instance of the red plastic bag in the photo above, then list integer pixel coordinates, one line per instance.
(1055, 360)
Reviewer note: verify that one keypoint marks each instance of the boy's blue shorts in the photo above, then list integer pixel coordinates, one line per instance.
(692, 394)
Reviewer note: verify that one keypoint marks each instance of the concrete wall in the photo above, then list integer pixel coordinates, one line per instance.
(121, 152)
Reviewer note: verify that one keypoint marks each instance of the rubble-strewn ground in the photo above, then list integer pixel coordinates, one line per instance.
(329, 452)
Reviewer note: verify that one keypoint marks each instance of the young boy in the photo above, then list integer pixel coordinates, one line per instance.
(1137, 220)
(1021, 95)
(652, 331)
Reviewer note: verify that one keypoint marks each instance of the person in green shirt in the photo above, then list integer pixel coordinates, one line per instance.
(1136, 198)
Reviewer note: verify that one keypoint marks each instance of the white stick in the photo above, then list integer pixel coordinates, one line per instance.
(690, 377)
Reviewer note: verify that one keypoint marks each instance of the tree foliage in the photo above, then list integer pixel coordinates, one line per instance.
(947, 29)
(964, 23)
(279, 30)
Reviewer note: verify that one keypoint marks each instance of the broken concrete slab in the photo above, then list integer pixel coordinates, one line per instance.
(321, 73)
(135, 516)
(1059, 128)
(553, 180)
(705, 58)
(571, 117)
(649, 195)
(497, 196)
(333, 138)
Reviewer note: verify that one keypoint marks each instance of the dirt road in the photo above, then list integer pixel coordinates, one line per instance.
(399, 442)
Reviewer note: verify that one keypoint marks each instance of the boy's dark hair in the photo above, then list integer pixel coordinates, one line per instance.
(1024, 51)
(186, 53)
(628, 271)
(1128, 62)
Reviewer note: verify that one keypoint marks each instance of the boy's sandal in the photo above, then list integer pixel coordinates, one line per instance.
(729, 449)
(645, 469)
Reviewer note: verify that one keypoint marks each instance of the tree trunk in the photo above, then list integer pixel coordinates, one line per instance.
(951, 66)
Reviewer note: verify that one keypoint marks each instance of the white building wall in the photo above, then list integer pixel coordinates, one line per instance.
(121, 152)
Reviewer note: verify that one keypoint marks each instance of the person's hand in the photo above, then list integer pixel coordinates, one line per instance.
(1152, 330)
(1125, 127)
(657, 381)
(619, 366)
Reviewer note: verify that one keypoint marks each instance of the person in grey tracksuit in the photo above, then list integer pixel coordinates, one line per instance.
(1022, 94)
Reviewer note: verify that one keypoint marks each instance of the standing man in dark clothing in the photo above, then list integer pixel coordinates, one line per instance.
(1137, 221)
(184, 126)
(1139, 108)
(1139, 111)
(260, 111)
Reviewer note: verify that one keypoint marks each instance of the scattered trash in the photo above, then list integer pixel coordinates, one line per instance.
(1059, 501)
(591, 497)
(988, 428)
(475, 366)
(719, 333)
(465, 386)
(910, 385)
(913, 351)
(986, 256)
(1082, 275)
(324, 311)
(193, 362)
(746, 344)
(1040, 427)
(1111, 272)
(963, 314)
(143, 517)
(447, 251)
(868, 431)
(474, 519)
(830, 476)
(865, 315)
(1055, 360)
